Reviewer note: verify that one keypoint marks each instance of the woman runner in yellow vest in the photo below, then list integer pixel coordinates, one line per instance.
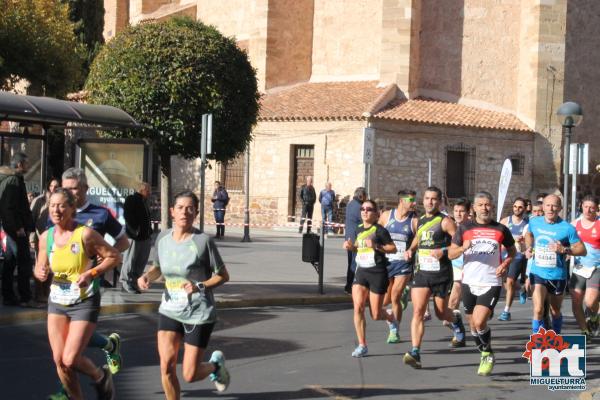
(74, 302)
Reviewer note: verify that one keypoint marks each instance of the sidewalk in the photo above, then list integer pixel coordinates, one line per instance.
(265, 272)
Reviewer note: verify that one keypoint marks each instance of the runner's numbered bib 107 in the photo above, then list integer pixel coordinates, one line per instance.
(427, 261)
(365, 258)
(544, 257)
(65, 293)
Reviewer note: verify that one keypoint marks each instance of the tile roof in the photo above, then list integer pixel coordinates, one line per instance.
(320, 101)
(442, 113)
(356, 100)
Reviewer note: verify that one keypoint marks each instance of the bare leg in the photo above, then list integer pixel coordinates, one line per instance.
(168, 349)
(193, 367)
(359, 298)
(420, 299)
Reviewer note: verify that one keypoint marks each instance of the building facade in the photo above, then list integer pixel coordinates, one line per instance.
(465, 84)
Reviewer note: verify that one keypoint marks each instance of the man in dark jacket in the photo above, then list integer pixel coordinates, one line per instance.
(139, 231)
(17, 224)
(352, 221)
(220, 199)
(308, 196)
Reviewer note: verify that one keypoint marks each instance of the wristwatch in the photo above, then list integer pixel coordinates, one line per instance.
(200, 286)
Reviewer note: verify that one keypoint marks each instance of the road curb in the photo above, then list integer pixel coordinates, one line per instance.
(147, 307)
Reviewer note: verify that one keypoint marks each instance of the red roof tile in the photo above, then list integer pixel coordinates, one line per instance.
(442, 113)
(320, 101)
(356, 100)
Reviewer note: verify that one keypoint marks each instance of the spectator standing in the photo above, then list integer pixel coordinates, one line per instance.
(327, 200)
(308, 196)
(353, 219)
(139, 231)
(220, 200)
(17, 223)
(39, 213)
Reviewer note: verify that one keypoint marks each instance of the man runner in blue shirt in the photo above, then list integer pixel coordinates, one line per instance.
(549, 240)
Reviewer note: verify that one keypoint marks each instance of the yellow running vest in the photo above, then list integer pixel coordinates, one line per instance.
(67, 263)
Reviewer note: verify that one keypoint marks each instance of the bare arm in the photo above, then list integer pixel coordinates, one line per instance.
(503, 267)
(95, 245)
(150, 276)
(122, 243)
(214, 281)
(528, 244)
(384, 218)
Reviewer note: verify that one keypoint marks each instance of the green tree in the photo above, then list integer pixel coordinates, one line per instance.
(166, 75)
(88, 17)
(37, 43)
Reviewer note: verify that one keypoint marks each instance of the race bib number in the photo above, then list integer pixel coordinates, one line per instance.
(584, 272)
(365, 258)
(399, 254)
(176, 297)
(427, 262)
(65, 293)
(544, 257)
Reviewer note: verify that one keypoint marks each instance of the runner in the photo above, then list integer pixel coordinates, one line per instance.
(434, 274)
(551, 237)
(373, 242)
(515, 223)
(460, 212)
(480, 242)
(401, 223)
(192, 266)
(585, 280)
(74, 302)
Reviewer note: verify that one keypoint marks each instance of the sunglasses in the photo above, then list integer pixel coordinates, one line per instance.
(409, 199)
(367, 209)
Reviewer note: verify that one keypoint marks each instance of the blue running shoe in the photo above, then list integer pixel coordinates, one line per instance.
(360, 351)
(220, 378)
(504, 316)
(522, 297)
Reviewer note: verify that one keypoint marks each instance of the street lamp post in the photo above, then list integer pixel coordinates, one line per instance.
(570, 115)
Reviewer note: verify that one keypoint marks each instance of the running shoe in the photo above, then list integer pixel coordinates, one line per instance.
(504, 316)
(427, 316)
(360, 351)
(220, 378)
(113, 357)
(413, 359)
(393, 336)
(404, 298)
(459, 329)
(487, 363)
(455, 343)
(523, 297)
(105, 388)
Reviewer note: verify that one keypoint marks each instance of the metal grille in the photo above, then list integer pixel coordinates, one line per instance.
(305, 151)
(232, 174)
(518, 164)
(460, 171)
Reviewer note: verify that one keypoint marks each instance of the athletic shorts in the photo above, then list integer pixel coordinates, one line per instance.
(375, 279)
(517, 267)
(555, 287)
(86, 310)
(440, 285)
(195, 335)
(399, 268)
(581, 283)
(482, 297)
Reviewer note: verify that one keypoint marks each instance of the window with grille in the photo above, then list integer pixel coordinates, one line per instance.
(518, 164)
(232, 174)
(460, 171)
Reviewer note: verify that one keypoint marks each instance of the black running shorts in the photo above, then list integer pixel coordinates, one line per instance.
(438, 284)
(375, 279)
(195, 335)
(488, 299)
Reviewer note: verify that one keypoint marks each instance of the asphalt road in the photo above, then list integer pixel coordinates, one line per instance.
(299, 353)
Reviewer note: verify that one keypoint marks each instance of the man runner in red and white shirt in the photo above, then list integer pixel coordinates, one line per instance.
(480, 242)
